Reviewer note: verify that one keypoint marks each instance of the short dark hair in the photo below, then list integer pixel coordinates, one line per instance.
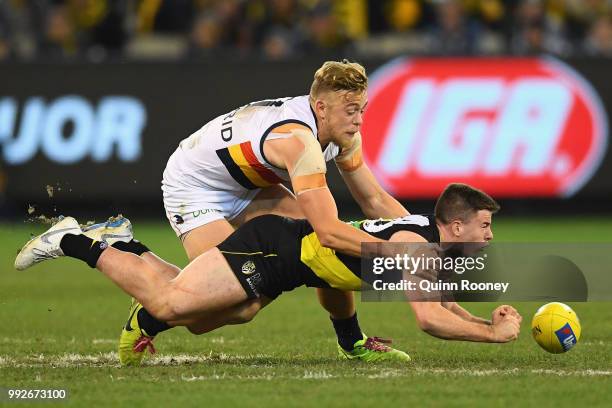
(461, 202)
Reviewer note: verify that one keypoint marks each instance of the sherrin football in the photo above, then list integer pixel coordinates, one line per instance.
(555, 327)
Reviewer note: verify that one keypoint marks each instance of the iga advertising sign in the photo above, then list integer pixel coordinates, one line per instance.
(513, 127)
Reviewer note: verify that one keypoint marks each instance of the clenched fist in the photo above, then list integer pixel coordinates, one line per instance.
(504, 310)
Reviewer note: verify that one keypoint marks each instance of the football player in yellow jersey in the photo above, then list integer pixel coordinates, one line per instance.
(269, 255)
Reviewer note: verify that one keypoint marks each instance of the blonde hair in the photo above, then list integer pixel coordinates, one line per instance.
(339, 76)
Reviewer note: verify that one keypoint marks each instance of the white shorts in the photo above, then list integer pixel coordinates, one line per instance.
(187, 210)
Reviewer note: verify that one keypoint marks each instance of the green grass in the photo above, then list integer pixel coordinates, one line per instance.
(60, 321)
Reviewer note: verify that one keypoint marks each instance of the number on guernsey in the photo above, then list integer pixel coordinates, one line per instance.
(270, 102)
(382, 224)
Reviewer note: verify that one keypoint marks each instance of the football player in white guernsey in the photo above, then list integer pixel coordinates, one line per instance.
(231, 171)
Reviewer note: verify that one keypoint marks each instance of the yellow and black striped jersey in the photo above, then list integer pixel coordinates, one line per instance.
(281, 253)
(342, 271)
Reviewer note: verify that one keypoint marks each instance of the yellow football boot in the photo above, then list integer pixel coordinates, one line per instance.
(134, 341)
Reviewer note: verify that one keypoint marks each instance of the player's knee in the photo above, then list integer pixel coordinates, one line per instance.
(164, 309)
(160, 310)
(425, 322)
(246, 313)
(174, 311)
(198, 329)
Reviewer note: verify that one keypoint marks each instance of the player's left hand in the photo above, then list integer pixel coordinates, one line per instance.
(502, 311)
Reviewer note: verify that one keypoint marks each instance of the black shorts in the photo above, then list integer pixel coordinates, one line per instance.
(264, 254)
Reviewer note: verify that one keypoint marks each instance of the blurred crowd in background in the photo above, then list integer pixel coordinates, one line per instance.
(101, 30)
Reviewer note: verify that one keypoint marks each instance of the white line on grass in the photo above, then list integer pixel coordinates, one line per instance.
(12, 340)
(74, 360)
(104, 341)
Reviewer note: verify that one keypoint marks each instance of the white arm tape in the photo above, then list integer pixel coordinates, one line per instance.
(311, 160)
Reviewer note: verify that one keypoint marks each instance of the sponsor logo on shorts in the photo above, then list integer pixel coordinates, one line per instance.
(253, 282)
(566, 337)
(248, 268)
(197, 213)
(513, 127)
(180, 218)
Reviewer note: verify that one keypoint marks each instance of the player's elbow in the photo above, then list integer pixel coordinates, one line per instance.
(327, 239)
(372, 205)
(326, 235)
(425, 322)
(425, 318)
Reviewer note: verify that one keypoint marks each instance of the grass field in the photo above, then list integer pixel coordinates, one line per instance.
(60, 322)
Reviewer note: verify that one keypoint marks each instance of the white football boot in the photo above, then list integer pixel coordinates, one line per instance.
(46, 245)
(111, 231)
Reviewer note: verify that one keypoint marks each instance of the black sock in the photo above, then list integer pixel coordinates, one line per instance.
(149, 324)
(134, 247)
(348, 331)
(83, 248)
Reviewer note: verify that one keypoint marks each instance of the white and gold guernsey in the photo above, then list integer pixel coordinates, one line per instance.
(217, 171)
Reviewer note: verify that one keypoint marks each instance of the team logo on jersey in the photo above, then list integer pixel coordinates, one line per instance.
(248, 268)
(513, 127)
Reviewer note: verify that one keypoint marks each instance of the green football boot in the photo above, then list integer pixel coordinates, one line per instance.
(371, 349)
(134, 341)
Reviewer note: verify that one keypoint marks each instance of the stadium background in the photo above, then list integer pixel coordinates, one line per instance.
(173, 65)
(96, 94)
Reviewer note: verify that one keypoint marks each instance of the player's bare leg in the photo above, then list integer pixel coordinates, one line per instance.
(117, 232)
(206, 285)
(201, 239)
(276, 199)
(195, 242)
(167, 270)
(339, 304)
(279, 200)
(272, 200)
(238, 314)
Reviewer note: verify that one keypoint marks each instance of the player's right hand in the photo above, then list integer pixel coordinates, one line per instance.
(506, 329)
(502, 311)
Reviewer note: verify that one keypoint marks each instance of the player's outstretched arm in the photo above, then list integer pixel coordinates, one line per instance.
(301, 155)
(320, 209)
(496, 315)
(464, 314)
(373, 200)
(440, 322)
(448, 320)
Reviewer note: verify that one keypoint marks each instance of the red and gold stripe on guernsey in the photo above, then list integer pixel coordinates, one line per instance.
(245, 168)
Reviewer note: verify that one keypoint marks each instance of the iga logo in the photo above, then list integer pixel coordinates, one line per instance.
(513, 127)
